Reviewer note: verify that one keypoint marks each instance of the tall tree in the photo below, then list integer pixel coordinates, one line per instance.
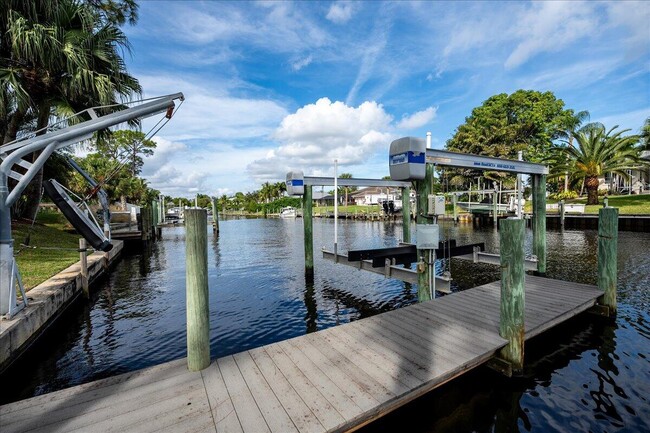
(573, 124)
(525, 120)
(346, 189)
(597, 151)
(127, 145)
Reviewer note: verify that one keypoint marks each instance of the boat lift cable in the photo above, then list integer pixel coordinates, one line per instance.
(151, 133)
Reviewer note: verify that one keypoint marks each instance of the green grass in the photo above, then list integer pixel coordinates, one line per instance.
(626, 204)
(38, 264)
(347, 209)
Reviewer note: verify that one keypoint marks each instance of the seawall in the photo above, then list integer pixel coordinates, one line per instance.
(46, 302)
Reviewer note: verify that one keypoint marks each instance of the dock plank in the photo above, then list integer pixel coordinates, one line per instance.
(332, 380)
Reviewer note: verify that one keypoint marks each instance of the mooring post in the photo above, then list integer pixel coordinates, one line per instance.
(215, 216)
(511, 325)
(406, 215)
(607, 253)
(83, 261)
(424, 188)
(562, 211)
(196, 277)
(307, 220)
(539, 221)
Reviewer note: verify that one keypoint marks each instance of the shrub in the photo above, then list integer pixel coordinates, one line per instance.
(564, 195)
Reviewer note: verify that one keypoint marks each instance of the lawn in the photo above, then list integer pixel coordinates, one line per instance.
(40, 263)
(626, 204)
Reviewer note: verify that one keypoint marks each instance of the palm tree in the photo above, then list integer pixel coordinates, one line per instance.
(572, 125)
(60, 56)
(645, 135)
(598, 151)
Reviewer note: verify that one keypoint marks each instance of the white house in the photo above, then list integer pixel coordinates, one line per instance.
(373, 195)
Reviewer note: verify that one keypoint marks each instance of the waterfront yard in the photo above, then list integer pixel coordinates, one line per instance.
(51, 249)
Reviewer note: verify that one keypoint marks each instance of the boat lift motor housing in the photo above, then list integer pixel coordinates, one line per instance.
(295, 183)
(436, 205)
(407, 159)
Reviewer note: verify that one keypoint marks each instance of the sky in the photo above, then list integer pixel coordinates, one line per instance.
(277, 86)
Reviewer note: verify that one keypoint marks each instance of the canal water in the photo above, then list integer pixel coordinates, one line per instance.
(590, 374)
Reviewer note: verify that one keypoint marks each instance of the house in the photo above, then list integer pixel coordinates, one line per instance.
(638, 179)
(321, 198)
(373, 195)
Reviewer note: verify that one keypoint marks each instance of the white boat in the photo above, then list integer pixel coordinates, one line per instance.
(288, 212)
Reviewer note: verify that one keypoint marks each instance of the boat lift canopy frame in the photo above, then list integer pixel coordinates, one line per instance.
(13, 153)
(329, 181)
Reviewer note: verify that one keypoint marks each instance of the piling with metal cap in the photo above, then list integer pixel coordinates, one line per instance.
(406, 215)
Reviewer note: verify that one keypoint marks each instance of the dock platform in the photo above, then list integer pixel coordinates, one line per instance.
(338, 379)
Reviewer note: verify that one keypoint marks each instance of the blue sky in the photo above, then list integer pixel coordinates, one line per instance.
(273, 86)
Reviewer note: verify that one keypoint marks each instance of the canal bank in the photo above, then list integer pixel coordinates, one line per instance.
(48, 301)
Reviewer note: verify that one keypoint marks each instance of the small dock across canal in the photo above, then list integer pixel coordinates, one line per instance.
(338, 379)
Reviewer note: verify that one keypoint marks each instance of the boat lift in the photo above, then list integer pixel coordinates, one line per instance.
(13, 156)
(407, 160)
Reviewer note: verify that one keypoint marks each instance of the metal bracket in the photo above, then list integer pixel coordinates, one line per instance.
(15, 280)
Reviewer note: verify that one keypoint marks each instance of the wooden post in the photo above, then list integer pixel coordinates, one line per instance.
(607, 253)
(539, 221)
(308, 227)
(406, 215)
(144, 222)
(424, 188)
(511, 324)
(83, 261)
(454, 199)
(196, 277)
(215, 216)
(495, 208)
(562, 212)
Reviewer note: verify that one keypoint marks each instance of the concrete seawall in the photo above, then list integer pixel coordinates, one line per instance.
(46, 302)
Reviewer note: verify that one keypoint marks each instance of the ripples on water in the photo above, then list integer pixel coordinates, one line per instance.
(588, 375)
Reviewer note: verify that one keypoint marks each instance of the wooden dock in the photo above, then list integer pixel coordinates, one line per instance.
(337, 379)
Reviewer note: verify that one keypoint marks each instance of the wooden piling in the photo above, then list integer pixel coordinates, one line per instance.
(424, 188)
(562, 213)
(215, 216)
(144, 223)
(196, 277)
(539, 221)
(454, 200)
(83, 261)
(511, 324)
(607, 253)
(308, 228)
(406, 215)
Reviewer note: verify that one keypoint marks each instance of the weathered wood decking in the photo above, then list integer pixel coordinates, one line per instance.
(333, 380)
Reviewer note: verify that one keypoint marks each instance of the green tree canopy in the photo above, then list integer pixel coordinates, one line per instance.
(129, 146)
(525, 120)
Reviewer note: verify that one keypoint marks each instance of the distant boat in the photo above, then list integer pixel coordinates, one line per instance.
(288, 212)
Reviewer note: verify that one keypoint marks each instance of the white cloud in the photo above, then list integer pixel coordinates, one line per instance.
(417, 119)
(209, 111)
(316, 134)
(301, 63)
(551, 26)
(340, 12)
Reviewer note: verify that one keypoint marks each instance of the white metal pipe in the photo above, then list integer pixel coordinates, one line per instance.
(336, 207)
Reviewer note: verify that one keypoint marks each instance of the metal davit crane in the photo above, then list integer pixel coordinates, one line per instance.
(13, 156)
